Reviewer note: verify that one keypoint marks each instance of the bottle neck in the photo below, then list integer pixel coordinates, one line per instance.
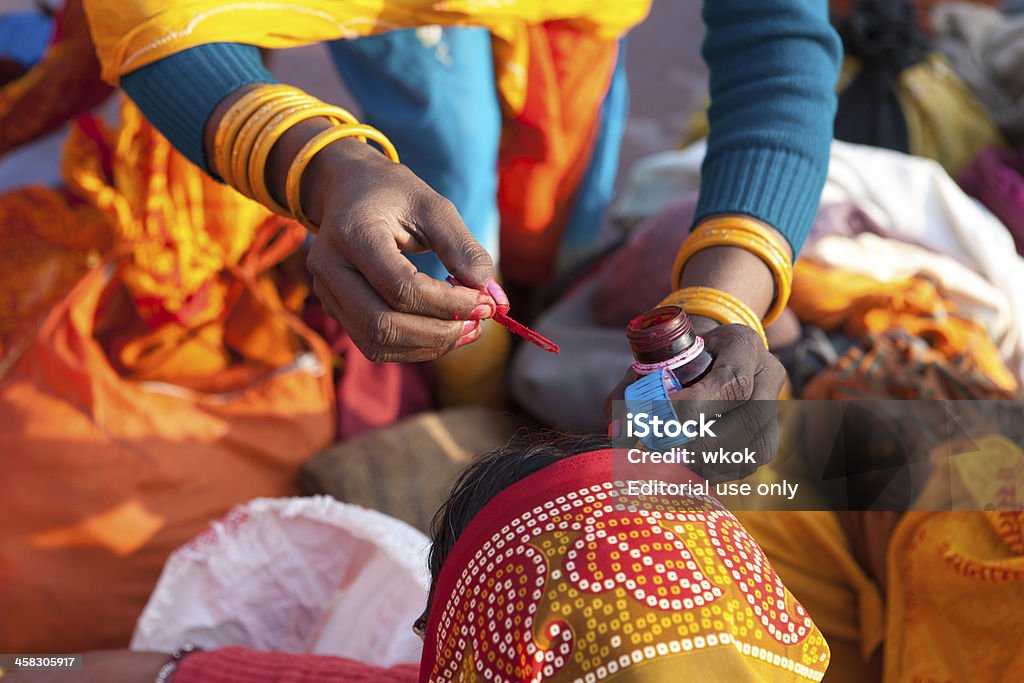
(660, 335)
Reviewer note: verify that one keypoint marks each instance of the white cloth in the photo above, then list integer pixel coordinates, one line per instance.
(907, 195)
(657, 180)
(301, 575)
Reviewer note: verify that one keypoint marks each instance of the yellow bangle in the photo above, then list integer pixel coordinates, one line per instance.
(720, 306)
(293, 183)
(242, 147)
(231, 122)
(273, 131)
(777, 262)
(748, 234)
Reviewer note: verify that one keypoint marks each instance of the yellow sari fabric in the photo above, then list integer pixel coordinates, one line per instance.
(950, 606)
(956, 577)
(183, 227)
(132, 34)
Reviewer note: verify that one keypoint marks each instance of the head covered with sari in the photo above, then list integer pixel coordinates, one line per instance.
(565, 576)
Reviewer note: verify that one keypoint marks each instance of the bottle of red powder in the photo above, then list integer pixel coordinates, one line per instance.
(663, 339)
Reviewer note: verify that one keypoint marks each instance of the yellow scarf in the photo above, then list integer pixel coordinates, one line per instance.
(132, 34)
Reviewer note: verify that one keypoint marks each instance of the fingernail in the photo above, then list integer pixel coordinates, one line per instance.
(468, 338)
(498, 294)
(481, 312)
(470, 326)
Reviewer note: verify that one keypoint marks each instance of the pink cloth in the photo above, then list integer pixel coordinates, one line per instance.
(636, 277)
(996, 179)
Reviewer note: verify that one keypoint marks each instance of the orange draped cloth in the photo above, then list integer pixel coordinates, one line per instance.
(546, 147)
(835, 299)
(129, 189)
(140, 267)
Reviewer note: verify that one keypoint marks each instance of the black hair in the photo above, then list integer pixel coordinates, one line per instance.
(486, 476)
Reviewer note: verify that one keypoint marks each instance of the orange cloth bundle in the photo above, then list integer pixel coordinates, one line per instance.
(184, 228)
(859, 305)
(109, 473)
(43, 258)
(107, 476)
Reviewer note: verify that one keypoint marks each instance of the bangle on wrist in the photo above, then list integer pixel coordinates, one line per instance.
(269, 136)
(231, 122)
(745, 233)
(293, 183)
(246, 138)
(170, 667)
(248, 131)
(717, 305)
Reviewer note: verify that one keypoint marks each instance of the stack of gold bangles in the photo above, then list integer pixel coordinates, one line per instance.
(249, 130)
(722, 307)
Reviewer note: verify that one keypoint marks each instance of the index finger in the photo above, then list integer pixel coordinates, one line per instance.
(375, 254)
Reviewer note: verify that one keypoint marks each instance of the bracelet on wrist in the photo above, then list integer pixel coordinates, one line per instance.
(293, 182)
(170, 667)
(248, 131)
(745, 233)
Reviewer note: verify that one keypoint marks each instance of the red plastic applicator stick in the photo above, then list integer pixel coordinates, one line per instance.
(516, 327)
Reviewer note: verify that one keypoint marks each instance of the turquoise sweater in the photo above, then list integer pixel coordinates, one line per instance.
(773, 66)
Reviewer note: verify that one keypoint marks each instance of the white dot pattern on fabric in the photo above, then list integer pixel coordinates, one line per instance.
(589, 584)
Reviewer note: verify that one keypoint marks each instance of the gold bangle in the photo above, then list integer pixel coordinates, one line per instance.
(746, 234)
(777, 262)
(272, 132)
(293, 182)
(759, 240)
(242, 147)
(236, 115)
(720, 306)
(231, 122)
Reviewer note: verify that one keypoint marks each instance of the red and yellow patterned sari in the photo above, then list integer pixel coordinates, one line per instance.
(565, 577)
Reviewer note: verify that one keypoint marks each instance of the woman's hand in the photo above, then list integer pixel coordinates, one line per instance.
(745, 379)
(108, 666)
(370, 210)
(743, 368)
(741, 387)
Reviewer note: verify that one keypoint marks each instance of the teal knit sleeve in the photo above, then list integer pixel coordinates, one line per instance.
(178, 94)
(773, 65)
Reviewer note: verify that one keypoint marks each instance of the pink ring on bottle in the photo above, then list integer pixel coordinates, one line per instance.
(674, 362)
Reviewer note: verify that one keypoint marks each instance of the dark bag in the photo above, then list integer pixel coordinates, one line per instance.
(882, 35)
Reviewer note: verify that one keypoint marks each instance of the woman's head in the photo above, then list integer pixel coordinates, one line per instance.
(548, 567)
(489, 474)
